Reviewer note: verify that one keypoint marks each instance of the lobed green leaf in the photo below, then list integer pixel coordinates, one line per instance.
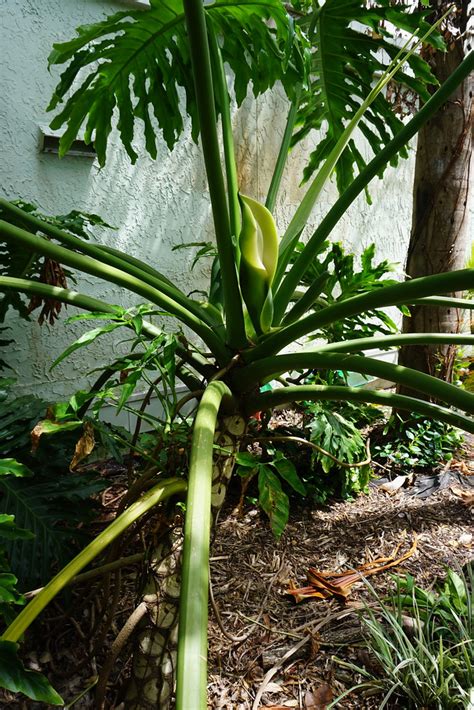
(137, 63)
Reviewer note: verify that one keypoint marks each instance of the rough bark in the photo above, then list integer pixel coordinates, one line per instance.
(440, 238)
(154, 657)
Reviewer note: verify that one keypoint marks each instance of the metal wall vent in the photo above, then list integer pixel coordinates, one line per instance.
(50, 144)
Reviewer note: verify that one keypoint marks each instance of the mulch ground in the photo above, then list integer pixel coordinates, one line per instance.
(266, 650)
(283, 654)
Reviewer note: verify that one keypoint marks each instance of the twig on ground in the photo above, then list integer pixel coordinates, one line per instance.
(269, 675)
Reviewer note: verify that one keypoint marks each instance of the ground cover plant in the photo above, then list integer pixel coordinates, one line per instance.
(423, 643)
(260, 298)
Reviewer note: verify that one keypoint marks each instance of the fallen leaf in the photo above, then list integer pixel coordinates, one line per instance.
(392, 487)
(467, 497)
(319, 699)
(324, 585)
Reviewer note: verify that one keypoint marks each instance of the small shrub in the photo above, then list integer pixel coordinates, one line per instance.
(418, 443)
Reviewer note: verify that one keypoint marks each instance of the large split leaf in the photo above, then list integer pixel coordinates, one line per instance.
(353, 41)
(17, 418)
(137, 61)
(50, 509)
(40, 501)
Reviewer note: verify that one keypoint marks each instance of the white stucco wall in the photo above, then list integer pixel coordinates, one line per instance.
(155, 205)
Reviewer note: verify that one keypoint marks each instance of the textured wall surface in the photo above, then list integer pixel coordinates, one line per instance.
(154, 205)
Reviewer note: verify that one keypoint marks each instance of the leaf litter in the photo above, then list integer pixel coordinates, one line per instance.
(379, 533)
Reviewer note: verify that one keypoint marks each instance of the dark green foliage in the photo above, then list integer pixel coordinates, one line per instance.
(272, 498)
(348, 37)
(147, 51)
(341, 278)
(16, 678)
(417, 443)
(38, 491)
(17, 418)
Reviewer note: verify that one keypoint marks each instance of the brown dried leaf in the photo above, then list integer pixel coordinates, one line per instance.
(319, 699)
(338, 584)
(467, 497)
(52, 273)
(84, 446)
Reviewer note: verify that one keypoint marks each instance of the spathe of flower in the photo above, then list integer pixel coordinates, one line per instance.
(258, 244)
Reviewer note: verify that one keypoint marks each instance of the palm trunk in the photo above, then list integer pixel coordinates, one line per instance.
(152, 681)
(440, 238)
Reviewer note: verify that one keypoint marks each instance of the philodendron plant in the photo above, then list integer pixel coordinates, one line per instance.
(259, 302)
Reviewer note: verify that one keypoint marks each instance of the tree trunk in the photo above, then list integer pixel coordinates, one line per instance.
(152, 682)
(440, 239)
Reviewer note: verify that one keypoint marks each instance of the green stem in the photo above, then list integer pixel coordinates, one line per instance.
(388, 341)
(65, 295)
(308, 299)
(79, 300)
(293, 277)
(267, 367)
(112, 274)
(305, 208)
(64, 237)
(445, 301)
(111, 256)
(286, 395)
(227, 136)
(283, 154)
(191, 687)
(396, 295)
(202, 73)
(160, 492)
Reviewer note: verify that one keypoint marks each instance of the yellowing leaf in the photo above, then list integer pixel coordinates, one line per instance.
(84, 446)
